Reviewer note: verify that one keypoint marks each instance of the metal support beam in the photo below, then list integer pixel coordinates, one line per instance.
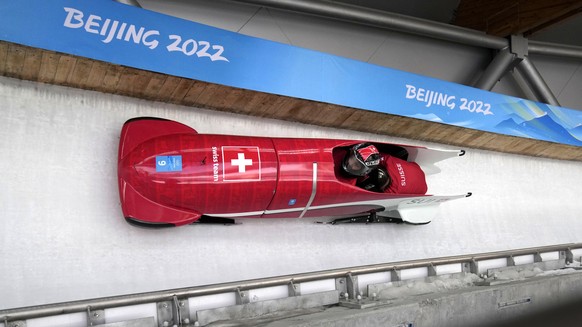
(242, 297)
(352, 286)
(474, 266)
(496, 69)
(569, 256)
(183, 310)
(406, 24)
(505, 60)
(385, 20)
(130, 2)
(519, 80)
(401, 23)
(554, 49)
(294, 289)
(535, 81)
(96, 317)
(165, 313)
(431, 270)
(341, 285)
(395, 275)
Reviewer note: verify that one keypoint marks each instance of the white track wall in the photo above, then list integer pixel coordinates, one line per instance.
(63, 237)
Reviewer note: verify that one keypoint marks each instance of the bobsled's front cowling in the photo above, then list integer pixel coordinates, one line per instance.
(179, 177)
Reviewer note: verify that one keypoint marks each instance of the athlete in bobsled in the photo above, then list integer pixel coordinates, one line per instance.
(381, 172)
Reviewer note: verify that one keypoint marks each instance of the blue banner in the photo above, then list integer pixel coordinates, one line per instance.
(125, 35)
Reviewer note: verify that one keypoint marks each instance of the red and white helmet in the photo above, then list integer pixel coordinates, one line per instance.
(361, 159)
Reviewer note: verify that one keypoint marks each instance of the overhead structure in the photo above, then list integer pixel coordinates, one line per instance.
(495, 25)
(509, 17)
(502, 63)
(516, 56)
(386, 20)
(496, 69)
(553, 49)
(536, 82)
(130, 2)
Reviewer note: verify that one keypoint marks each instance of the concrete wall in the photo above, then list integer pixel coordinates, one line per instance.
(540, 301)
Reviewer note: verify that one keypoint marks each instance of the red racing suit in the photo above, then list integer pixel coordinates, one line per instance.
(407, 177)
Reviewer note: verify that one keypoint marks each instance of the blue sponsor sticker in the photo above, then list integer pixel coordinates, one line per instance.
(168, 163)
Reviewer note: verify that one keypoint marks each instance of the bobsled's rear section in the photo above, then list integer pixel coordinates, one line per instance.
(426, 158)
(409, 203)
(419, 210)
(422, 210)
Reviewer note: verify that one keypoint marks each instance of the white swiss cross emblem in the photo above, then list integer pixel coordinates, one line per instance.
(241, 163)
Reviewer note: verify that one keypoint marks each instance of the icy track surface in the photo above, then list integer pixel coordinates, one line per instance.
(63, 237)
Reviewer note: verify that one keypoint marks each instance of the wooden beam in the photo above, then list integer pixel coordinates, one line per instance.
(507, 17)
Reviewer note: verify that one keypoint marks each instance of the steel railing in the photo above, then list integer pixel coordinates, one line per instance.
(20, 314)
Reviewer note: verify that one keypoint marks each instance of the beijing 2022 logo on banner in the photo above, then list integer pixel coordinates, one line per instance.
(110, 29)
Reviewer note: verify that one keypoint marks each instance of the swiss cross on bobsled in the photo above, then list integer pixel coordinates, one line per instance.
(170, 175)
(241, 163)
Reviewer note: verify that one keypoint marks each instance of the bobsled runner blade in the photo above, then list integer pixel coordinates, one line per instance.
(369, 219)
(208, 220)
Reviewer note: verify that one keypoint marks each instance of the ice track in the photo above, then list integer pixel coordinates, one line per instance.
(63, 237)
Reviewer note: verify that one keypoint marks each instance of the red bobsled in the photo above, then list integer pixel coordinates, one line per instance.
(169, 175)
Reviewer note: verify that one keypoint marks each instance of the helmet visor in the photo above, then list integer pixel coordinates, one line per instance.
(355, 166)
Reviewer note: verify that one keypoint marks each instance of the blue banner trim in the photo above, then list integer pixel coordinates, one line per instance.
(117, 33)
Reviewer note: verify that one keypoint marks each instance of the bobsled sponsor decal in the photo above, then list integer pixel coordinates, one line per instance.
(215, 164)
(168, 163)
(427, 200)
(433, 199)
(402, 174)
(241, 163)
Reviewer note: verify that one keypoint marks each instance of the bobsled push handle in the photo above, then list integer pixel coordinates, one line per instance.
(313, 191)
